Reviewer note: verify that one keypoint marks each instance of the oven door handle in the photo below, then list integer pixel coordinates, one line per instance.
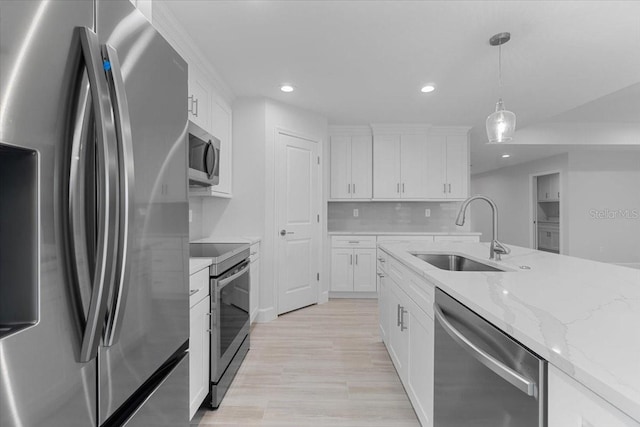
(519, 381)
(224, 282)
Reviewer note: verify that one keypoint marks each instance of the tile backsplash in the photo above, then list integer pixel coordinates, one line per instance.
(394, 217)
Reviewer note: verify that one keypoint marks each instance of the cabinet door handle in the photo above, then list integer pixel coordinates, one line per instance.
(381, 259)
(444, 188)
(350, 259)
(354, 188)
(193, 291)
(546, 195)
(402, 313)
(348, 188)
(398, 315)
(558, 194)
(380, 275)
(398, 188)
(403, 187)
(449, 188)
(356, 259)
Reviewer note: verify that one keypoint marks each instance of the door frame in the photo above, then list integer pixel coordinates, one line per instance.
(276, 217)
(533, 208)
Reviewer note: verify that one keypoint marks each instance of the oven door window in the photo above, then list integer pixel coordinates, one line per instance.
(234, 310)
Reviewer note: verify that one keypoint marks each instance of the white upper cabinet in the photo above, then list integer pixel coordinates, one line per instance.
(386, 167)
(413, 174)
(457, 167)
(427, 165)
(199, 99)
(351, 165)
(549, 187)
(208, 99)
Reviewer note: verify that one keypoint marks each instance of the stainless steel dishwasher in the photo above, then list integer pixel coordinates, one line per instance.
(483, 378)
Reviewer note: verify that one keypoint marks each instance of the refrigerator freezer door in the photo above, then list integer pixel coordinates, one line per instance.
(41, 382)
(154, 319)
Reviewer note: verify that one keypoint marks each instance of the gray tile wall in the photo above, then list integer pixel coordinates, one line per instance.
(394, 217)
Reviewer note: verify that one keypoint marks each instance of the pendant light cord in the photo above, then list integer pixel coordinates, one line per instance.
(500, 70)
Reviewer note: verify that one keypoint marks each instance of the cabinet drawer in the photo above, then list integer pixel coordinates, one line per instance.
(395, 270)
(419, 290)
(456, 238)
(353, 242)
(198, 286)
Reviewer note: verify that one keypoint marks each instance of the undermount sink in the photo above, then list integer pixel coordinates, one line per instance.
(454, 262)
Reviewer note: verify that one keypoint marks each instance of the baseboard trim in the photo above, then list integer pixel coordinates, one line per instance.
(365, 295)
(266, 315)
(635, 265)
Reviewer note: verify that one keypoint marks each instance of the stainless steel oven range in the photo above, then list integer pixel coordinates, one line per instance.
(229, 315)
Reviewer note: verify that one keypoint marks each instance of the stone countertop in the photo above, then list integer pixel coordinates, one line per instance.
(400, 233)
(232, 239)
(197, 264)
(582, 316)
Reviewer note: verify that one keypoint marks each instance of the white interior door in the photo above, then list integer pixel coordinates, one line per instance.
(298, 207)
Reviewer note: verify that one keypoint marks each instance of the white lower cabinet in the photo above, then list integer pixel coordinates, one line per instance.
(573, 405)
(398, 343)
(199, 350)
(353, 264)
(420, 367)
(408, 333)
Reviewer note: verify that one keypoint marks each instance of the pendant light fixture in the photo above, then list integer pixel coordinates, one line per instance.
(502, 123)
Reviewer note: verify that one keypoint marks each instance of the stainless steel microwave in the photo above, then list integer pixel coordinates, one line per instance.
(204, 157)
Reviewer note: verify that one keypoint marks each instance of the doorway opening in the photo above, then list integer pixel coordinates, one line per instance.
(546, 212)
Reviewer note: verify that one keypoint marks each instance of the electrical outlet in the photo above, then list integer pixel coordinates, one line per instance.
(190, 215)
(356, 213)
(427, 213)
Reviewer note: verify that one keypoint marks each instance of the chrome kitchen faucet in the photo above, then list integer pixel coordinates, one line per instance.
(497, 248)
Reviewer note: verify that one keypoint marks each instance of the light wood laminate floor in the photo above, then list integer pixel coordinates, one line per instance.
(323, 365)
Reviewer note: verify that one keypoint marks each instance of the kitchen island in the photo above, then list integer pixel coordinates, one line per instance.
(581, 316)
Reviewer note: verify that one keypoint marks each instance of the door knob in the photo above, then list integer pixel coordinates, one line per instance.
(285, 232)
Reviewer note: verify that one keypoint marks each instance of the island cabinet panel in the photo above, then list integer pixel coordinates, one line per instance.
(573, 405)
(407, 329)
(383, 301)
(420, 365)
(398, 333)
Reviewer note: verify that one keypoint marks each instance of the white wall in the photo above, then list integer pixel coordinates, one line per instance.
(315, 127)
(602, 180)
(251, 211)
(510, 188)
(242, 215)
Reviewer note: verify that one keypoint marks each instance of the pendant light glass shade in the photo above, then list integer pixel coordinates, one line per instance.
(501, 124)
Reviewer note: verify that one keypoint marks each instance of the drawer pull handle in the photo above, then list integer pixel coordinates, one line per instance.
(354, 241)
(193, 291)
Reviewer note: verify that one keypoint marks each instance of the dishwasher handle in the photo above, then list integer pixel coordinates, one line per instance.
(516, 379)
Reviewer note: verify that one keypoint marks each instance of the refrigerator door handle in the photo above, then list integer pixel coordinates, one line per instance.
(102, 280)
(126, 194)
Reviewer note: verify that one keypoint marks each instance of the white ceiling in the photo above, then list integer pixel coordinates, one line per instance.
(360, 62)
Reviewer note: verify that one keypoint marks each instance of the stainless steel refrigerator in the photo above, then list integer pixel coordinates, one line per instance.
(93, 218)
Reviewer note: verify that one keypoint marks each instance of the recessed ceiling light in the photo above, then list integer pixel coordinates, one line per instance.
(506, 156)
(427, 88)
(287, 88)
